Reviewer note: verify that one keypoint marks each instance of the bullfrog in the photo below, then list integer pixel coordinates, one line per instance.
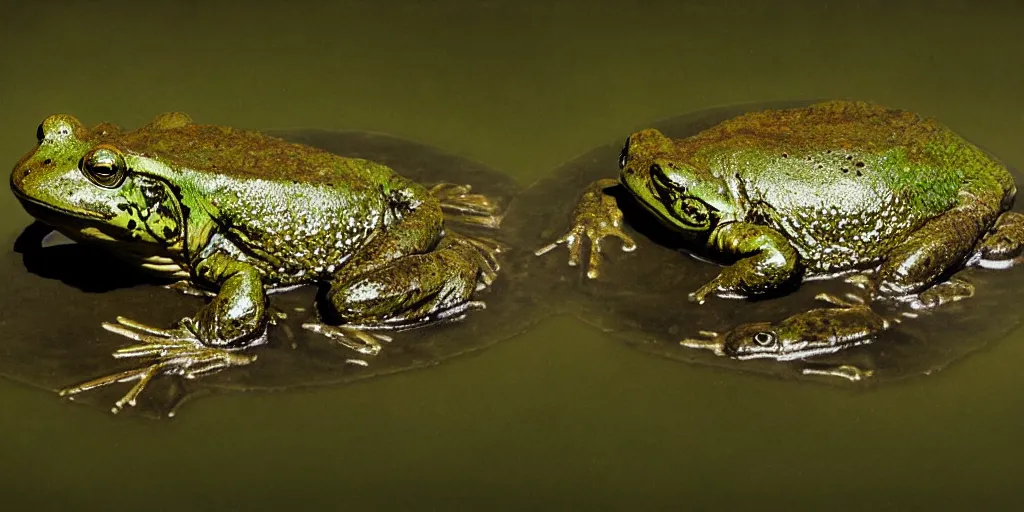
(234, 215)
(821, 191)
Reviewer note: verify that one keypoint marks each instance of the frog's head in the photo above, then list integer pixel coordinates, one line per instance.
(759, 340)
(82, 182)
(682, 195)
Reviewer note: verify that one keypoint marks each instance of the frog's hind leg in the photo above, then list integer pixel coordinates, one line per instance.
(940, 247)
(1003, 246)
(410, 292)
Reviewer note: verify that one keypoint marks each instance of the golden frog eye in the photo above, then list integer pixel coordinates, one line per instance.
(104, 166)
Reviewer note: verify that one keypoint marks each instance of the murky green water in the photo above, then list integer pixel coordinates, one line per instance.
(562, 416)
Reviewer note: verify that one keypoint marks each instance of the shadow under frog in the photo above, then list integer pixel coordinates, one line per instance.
(57, 295)
(641, 296)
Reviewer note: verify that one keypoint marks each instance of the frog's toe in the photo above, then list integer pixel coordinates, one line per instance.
(359, 340)
(573, 241)
(596, 235)
(483, 252)
(701, 294)
(488, 249)
(594, 261)
(145, 333)
(459, 205)
(628, 244)
(846, 371)
(614, 229)
(711, 341)
(188, 288)
(185, 358)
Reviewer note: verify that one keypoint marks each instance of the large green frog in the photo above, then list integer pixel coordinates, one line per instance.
(237, 214)
(815, 192)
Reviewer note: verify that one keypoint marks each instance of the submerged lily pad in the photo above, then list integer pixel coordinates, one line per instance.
(56, 296)
(641, 296)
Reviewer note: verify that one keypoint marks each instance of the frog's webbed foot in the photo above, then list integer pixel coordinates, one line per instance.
(176, 351)
(360, 340)
(482, 251)
(1003, 247)
(186, 288)
(845, 371)
(596, 217)
(460, 205)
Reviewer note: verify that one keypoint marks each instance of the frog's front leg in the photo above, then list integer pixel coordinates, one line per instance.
(197, 345)
(596, 216)
(767, 261)
(237, 314)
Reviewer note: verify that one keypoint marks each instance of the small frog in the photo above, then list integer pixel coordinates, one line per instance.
(237, 214)
(815, 192)
(807, 334)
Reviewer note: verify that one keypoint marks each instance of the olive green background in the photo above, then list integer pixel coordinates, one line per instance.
(563, 416)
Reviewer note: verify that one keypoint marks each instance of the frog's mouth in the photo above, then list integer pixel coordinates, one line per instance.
(752, 351)
(51, 214)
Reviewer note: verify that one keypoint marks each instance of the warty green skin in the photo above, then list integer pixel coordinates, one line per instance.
(823, 190)
(239, 213)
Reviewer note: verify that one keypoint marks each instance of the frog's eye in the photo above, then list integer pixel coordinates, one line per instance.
(764, 338)
(104, 166)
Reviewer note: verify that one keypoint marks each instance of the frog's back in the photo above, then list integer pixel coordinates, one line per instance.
(244, 154)
(847, 180)
(301, 209)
